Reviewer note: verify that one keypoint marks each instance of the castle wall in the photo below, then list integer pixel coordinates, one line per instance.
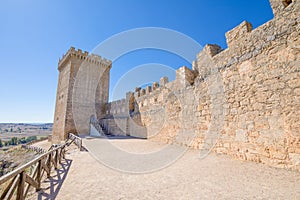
(119, 119)
(245, 98)
(261, 80)
(82, 90)
(61, 104)
(242, 101)
(115, 120)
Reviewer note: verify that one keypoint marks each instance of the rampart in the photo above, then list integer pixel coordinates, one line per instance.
(243, 101)
(244, 98)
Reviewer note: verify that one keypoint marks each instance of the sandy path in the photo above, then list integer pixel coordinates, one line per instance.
(42, 144)
(215, 177)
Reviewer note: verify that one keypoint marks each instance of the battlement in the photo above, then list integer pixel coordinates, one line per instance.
(116, 108)
(244, 42)
(280, 7)
(238, 32)
(184, 78)
(84, 56)
(247, 92)
(138, 92)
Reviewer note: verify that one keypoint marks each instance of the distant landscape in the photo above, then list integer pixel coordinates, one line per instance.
(12, 135)
(19, 133)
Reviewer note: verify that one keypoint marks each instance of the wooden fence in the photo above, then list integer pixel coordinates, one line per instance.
(34, 148)
(77, 140)
(18, 182)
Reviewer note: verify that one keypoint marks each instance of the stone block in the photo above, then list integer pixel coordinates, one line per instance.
(137, 89)
(240, 135)
(185, 76)
(278, 6)
(148, 89)
(294, 158)
(204, 63)
(237, 33)
(155, 86)
(163, 81)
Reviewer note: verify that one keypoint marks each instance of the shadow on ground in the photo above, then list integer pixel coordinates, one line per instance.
(55, 182)
(113, 137)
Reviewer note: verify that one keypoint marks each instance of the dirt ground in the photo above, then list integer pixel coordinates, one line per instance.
(43, 144)
(82, 176)
(19, 130)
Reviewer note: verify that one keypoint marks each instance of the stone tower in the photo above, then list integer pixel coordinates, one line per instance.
(82, 91)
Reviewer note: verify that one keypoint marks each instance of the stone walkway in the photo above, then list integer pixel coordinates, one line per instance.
(215, 177)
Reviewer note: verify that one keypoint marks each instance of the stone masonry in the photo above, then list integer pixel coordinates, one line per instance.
(243, 101)
(77, 98)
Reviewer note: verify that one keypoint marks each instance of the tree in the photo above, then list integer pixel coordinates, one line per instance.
(1, 144)
(31, 138)
(22, 140)
(14, 141)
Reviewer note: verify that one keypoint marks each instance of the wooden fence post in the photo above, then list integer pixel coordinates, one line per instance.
(39, 175)
(20, 191)
(49, 164)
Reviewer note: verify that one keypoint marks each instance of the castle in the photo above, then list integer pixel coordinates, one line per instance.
(243, 101)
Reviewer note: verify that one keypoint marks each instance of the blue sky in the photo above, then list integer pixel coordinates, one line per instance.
(35, 33)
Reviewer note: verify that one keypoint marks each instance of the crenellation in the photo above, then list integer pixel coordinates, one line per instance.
(233, 36)
(68, 66)
(184, 76)
(148, 90)
(163, 81)
(84, 56)
(212, 49)
(280, 7)
(137, 89)
(251, 87)
(155, 86)
(203, 65)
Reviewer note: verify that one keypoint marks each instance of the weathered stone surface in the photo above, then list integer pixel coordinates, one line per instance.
(184, 76)
(74, 94)
(244, 98)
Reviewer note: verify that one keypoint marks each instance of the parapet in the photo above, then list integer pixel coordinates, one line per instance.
(204, 63)
(163, 81)
(212, 49)
(185, 76)
(130, 101)
(148, 89)
(138, 92)
(84, 56)
(279, 6)
(118, 107)
(238, 32)
(155, 85)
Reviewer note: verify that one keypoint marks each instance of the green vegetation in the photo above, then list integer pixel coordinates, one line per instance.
(16, 141)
